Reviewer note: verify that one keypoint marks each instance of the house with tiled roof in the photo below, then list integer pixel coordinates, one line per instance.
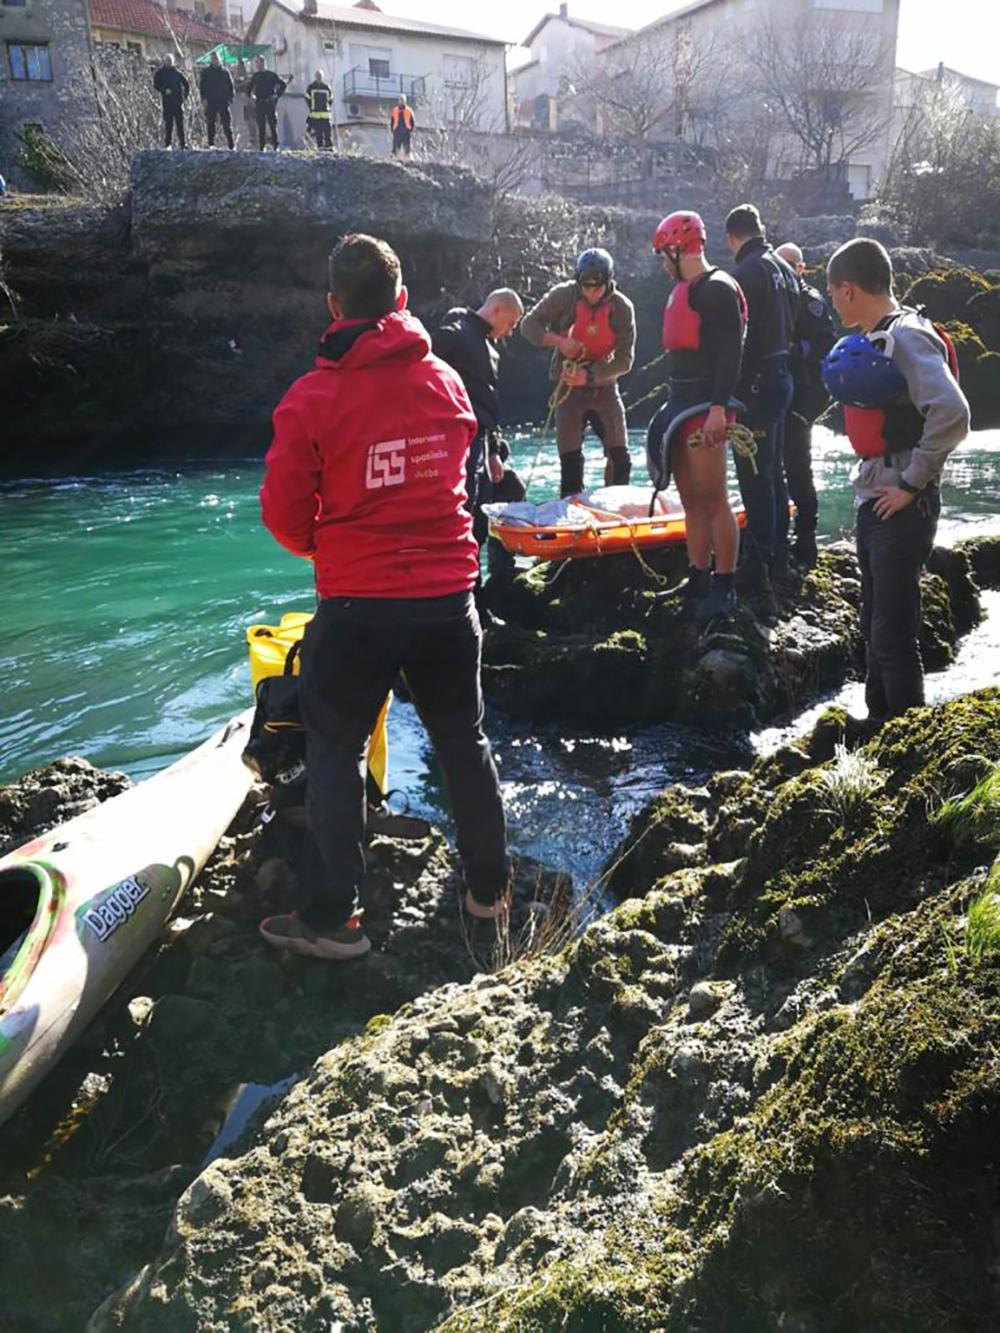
(153, 29)
(44, 76)
(451, 76)
(558, 43)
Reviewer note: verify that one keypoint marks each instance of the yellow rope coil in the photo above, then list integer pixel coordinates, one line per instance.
(742, 438)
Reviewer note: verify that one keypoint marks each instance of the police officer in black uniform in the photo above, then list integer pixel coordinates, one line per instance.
(215, 87)
(814, 335)
(765, 386)
(173, 88)
(264, 89)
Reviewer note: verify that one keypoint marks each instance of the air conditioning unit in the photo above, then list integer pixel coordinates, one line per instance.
(354, 111)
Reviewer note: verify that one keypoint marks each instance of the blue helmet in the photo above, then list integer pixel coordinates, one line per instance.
(860, 371)
(594, 264)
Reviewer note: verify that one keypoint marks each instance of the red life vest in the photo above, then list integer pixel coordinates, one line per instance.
(592, 328)
(875, 432)
(682, 324)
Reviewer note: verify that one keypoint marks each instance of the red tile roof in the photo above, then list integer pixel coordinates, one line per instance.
(152, 20)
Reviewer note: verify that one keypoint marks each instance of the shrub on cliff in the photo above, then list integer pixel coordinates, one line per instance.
(945, 295)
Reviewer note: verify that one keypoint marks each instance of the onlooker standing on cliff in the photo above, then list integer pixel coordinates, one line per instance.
(215, 87)
(173, 88)
(401, 122)
(264, 89)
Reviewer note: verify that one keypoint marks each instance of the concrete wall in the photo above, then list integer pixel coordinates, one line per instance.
(303, 47)
(62, 26)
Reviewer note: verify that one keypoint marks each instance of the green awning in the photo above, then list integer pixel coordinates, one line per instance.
(232, 55)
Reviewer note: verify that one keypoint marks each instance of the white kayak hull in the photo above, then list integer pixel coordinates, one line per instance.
(103, 885)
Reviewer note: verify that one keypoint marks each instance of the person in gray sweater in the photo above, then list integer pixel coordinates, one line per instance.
(902, 445)
(590, 325)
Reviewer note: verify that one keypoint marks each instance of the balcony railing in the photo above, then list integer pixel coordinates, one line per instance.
(359, 82)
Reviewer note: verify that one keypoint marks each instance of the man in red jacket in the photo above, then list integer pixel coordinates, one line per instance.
(366, 478)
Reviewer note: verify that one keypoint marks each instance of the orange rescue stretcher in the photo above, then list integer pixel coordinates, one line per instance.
(606, 533)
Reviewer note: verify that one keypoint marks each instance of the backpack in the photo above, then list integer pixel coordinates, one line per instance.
(814, 335)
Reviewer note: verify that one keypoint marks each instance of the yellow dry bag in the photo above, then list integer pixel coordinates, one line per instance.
(269, 646)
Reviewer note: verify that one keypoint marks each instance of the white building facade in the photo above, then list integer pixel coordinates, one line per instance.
(452, 78)
(558, 44)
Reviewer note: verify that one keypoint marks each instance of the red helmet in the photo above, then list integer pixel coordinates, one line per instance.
(680, 233)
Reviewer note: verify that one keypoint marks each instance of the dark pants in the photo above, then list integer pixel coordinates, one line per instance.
(320, 130)
(266, 111)
(509, 489)
(799, 474)
(220, 113)
(173, 115)
(768, 396)
(892, 552)
(351, 654)
(474, 473)
(401, 141)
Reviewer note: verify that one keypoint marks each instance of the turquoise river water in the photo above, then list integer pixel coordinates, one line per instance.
(127, 596)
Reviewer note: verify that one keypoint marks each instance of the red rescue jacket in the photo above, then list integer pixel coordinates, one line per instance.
(366, 472)
(592, 328)
(682, 323)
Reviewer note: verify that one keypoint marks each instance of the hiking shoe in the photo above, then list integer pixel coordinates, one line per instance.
(721, 601)
(291, 932)
(486, 931)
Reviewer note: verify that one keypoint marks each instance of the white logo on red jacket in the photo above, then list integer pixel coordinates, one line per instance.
(386, 464)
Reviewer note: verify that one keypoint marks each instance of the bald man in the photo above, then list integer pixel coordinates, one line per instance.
(813, 336)
(467, 340)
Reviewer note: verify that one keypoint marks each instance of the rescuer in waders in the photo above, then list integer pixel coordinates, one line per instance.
(703, 328)
(215, 88)
(904, 413)
(812, 338)
(319, 106)
(366, 478)
(765, 386)
(590, 325)
(264, 89)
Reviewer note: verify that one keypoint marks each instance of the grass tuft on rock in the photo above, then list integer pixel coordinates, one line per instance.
(852, 777)
(975, 816)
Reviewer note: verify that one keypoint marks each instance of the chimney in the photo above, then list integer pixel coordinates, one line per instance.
(309, 9)
(564, 10)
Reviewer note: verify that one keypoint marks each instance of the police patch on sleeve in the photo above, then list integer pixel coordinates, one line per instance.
(817, 307)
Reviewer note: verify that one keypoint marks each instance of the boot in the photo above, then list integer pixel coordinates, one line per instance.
(720, 600)
(756, 579)
(804, 551)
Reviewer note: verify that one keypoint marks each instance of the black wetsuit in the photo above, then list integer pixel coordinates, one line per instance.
(708, 375)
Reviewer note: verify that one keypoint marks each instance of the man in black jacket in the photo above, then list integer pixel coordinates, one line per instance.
(215, 87)
(173, 88)
(813, 337)
(467, 341)
(264, 89)
(765, 386)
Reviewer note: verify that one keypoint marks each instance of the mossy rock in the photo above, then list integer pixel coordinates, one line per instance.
(979, 373)
(983, 313)
(946, 296)
(983, 554)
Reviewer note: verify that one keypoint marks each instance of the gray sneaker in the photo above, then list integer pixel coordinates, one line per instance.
(291, 932)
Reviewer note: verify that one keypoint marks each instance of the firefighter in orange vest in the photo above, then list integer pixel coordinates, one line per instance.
(401, 123)
(591, 327)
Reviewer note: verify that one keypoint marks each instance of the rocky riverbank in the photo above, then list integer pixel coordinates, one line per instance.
(788, 1024)
(179, 318)
(603, 641)
(761, 1093)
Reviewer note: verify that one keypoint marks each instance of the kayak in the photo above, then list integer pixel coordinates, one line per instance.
(609, 522)
(80, 904)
